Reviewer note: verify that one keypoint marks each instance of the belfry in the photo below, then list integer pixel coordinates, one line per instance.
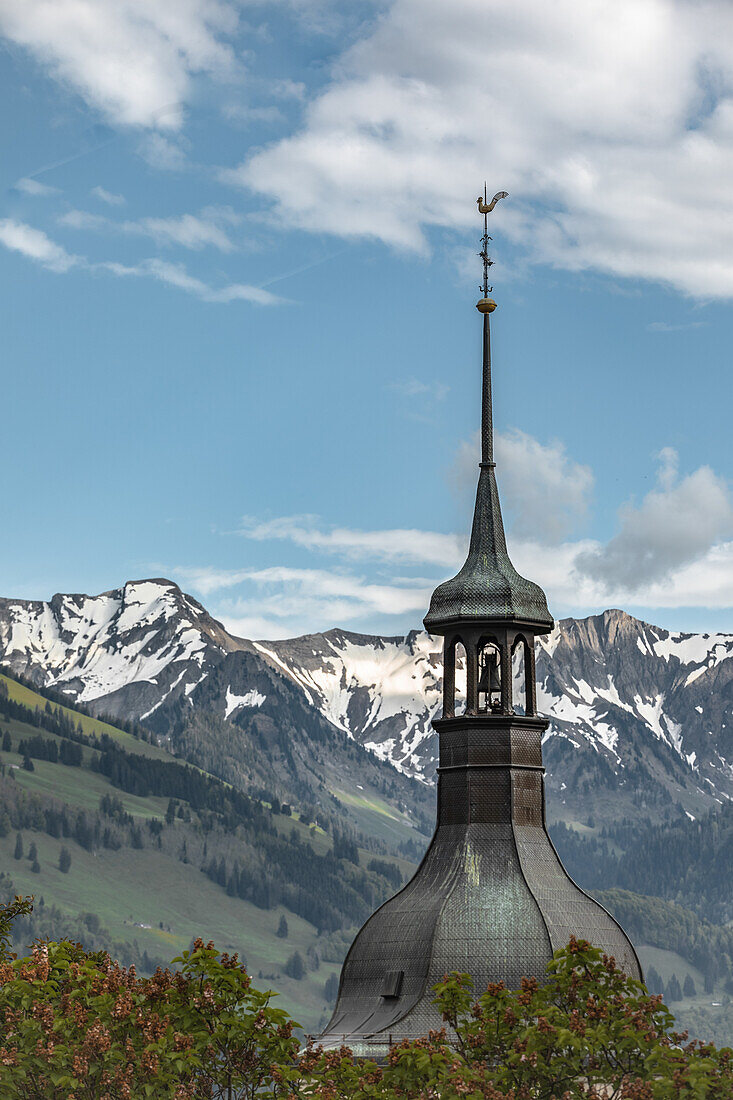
(491, 897)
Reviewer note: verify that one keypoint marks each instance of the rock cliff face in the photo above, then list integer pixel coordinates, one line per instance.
(640, 718)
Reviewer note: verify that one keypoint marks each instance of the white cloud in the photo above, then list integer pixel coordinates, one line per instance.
(546, 492)
(207, 579)
(705, 582)
(34, 244)
(396, 545)
(281, 602)
(131, 59)
(675, 525)
(108, 197)
(415, 387)
(246, 115)
(187, 230)
(35, 187)
(666, 326)
(610, 123)
(670, 553)
(176, 275)
(82, 219)
(163, 153)
(284, 601)
(256, 627)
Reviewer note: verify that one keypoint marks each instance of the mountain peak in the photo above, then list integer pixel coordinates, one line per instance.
(152, 582)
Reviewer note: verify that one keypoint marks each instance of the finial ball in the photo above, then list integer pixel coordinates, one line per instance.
(486, 305)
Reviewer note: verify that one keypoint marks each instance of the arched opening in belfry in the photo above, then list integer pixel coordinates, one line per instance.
(519, 675)
(523, 674)
(488, 694)
(454, 677)
(459, 704)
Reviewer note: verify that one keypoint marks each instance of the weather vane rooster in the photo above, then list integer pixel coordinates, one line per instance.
(485, 207)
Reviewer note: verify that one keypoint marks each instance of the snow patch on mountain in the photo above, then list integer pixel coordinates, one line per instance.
(695, 649)
(583, 714)
(236, 702)
(383, 692)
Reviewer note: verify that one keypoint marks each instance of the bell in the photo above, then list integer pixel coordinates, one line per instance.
(489, 680)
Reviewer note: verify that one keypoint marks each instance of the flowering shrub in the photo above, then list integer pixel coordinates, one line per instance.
(590, 1032)
(74, 1025)
(77, 1025)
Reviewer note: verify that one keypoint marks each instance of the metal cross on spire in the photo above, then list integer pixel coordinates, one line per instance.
(485, 207)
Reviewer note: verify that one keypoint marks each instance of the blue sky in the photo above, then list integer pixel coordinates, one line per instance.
(237, 253)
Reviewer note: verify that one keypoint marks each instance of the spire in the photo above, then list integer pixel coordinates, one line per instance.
(487, 412)
(488, 587)
(487, 306)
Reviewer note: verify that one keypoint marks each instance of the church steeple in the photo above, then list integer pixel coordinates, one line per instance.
(490, 896)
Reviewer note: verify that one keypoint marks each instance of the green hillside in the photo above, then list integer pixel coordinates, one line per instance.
(673, 945)
(161, 852)
(47, 702)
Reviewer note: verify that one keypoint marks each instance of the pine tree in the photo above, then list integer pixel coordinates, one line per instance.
(64, 860)
(27, 764)
(33, 852)
(674, 991)
(331, 988)
(36, 867)
(7, 742)
(18, 853)
(345, 848)
(295, 967)
(313, 958)
(688, 988)
(282, 929)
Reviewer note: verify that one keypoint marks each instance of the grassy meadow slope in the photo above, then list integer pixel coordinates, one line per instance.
(142, 893)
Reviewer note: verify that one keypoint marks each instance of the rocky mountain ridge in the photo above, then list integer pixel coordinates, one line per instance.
(640, 717)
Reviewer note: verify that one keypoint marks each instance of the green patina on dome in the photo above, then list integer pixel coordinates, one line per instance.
(488, 586)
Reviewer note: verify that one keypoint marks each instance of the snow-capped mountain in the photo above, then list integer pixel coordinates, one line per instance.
(630, 705)
(639, 717)
(128, 649)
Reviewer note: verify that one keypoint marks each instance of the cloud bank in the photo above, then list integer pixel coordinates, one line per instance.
(35, 245)
(609, 122)
(674, 525)
(132, 60)
(548, 493)
(672, 550)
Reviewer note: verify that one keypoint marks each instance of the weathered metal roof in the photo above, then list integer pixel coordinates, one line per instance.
(490, 898)
(488, 586)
